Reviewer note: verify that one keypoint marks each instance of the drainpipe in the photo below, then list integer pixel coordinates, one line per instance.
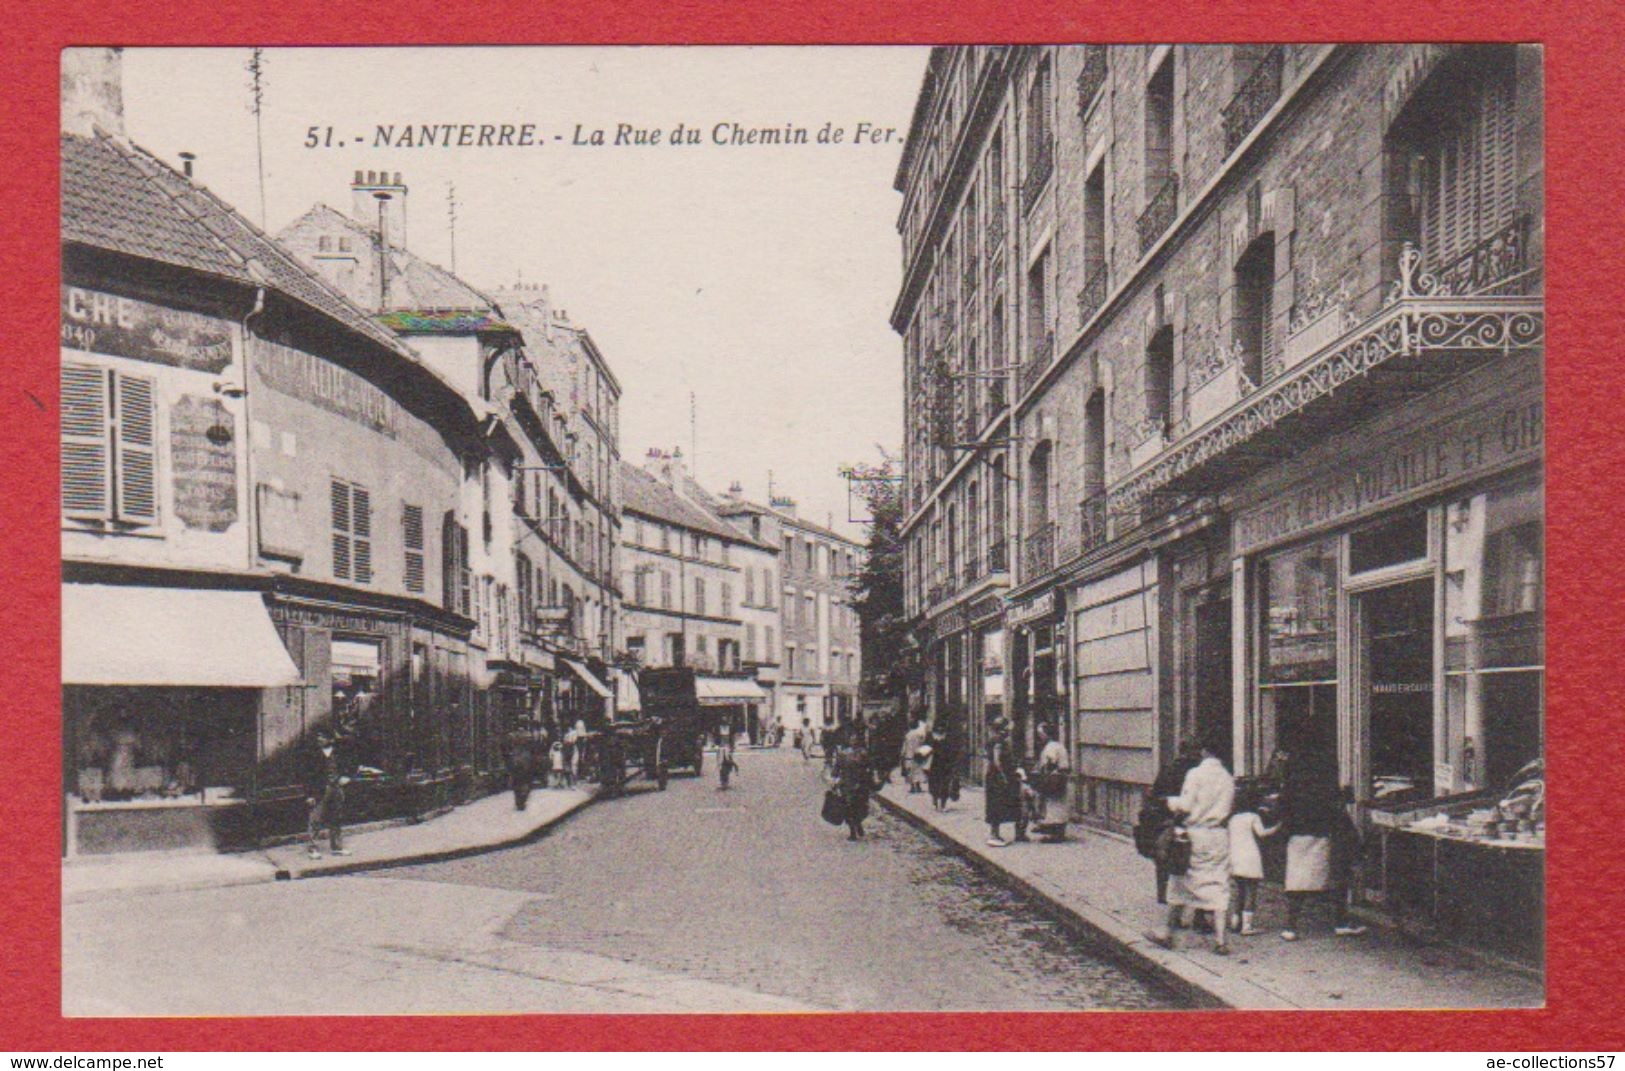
(250, 515)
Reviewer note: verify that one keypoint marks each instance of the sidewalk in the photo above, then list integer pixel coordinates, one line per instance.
(1102, 885)
(481, 826)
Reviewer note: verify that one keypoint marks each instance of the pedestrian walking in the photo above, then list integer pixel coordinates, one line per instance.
(325, 781)
(804, 740)
(521, 766)
(1247, 828)
(941, 767)
(854, 778)
(726, 765)
(1203, 806)
(916, 757)
(1152, 832)
(1322, 842)
(1003, 787)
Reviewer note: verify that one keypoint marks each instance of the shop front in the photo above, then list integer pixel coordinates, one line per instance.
(1397, 615)
(160, 714)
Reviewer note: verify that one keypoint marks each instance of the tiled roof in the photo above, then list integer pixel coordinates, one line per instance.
(116, 196)
(645, 494)
(415, 284)
(443, 321)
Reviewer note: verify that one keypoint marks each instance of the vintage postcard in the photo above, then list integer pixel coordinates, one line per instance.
(1024, 527)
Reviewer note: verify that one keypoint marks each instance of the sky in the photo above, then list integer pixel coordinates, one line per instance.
(756, 278)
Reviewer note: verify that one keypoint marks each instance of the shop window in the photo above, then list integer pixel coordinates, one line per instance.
(1396, 652)
(1298, 593)
(1494, 636)
(109, 456)
(357, 669)
(1392, 542)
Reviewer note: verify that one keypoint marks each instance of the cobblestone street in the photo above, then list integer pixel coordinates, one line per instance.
(688, 900)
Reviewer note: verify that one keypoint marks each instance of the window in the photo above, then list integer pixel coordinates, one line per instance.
(727, 600)
(1094, 239)
(789, 550)
(750, 642)
(790, 659)
(637, 532)
(768, 644)
(352, 532)
(639, 587)
(1159, 380)
(811, 610)
(1040, 145)
(1255, 308)
(665, 539)
(699, 595)
(767, 588)
(412, 539)
(1038, 308)
(1298, 659)
(750, 586)
(1395, 541)
(811, 566)
(1094, 444)
(792, 607)
(109, 456)
(457, 581)
(1159, 126)
(665, 590)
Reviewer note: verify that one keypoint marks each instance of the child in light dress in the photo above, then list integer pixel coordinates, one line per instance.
(556, 763)
(1247, 827)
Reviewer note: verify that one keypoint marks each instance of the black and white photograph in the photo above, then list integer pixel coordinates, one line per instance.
(564, 529)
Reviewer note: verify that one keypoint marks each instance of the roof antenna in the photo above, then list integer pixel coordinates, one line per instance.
(451, 211)
(256, 96)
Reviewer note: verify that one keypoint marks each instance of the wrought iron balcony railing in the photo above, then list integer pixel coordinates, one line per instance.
(973, 570)
(1093, 295)
(1038, 173)
(1040, 552)
(1423, 335)
(1034, 367)
(1256, 96)
(998, 555)
(1091, 77)
(1497, 266)
(1093, 530)
(1159, 213)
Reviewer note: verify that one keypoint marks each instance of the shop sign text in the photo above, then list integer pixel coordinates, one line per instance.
(310, 378)
(1430, 459)
(127, 327)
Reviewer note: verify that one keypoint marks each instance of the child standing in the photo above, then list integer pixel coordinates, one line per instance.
(558, 764)
(1247, 828)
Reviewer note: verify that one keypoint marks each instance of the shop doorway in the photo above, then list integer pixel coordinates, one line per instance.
(1210, 670)
(1394, 637)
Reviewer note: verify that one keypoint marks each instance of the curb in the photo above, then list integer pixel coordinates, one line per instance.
(1115, 938)
(443, 855)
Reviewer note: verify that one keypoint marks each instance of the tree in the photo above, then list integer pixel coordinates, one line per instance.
(878, 591)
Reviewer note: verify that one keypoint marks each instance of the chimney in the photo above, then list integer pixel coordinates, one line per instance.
(364, 206)
(382, 198)
(736, 491)
(92, 91)
(783, 504)
(186, 163)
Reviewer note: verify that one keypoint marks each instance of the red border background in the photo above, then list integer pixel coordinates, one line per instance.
(1586, 577)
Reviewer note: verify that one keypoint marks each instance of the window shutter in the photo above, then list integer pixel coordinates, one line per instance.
(412, 536)
(361, 537)
(137, 482)
(448, 561)
(464, 577)
(86, 488)
(341, 530)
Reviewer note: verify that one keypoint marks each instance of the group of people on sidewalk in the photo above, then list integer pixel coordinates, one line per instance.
(553, 759)
(1204, 837)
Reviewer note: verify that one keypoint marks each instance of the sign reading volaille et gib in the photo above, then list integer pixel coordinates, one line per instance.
(119, 326)
(1494, 437)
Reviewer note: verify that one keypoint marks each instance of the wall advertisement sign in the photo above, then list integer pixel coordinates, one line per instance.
(117, 326)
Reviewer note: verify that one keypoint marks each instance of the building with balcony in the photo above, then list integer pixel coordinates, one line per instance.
(1273, 435)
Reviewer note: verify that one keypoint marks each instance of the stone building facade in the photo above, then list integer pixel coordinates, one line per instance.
(1255, 337)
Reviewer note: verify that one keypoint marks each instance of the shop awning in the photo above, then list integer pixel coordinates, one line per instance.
(590, 680)
(718, 690)
(178, 637)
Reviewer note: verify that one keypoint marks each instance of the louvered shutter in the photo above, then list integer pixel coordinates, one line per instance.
(465, 579)
(137, 483)
(86, 484)
(412, 537)
(361, 533)
(450, 587)
(341, 531)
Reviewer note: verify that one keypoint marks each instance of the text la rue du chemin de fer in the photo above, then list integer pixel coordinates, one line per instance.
(728, 134)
